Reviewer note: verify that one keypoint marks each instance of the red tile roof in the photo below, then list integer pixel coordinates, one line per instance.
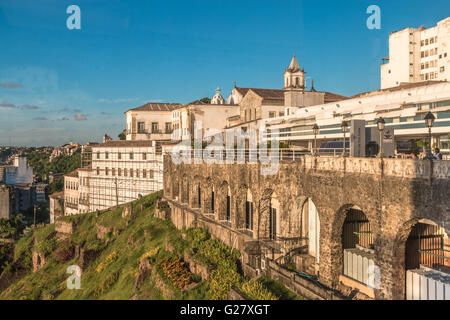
(74, 174)
(157, 107)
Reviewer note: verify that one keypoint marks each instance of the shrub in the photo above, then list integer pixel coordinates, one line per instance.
(46, 247)
(255, 290)
(149, 254)
(65, 251)
(221, 280)
(176, 271)
(111, 258)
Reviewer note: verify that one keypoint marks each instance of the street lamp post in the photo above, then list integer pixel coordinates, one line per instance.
(344, 127)
(429, 122)
(380, 124)
(316, 132)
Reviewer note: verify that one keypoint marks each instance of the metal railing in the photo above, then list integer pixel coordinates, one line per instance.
(283, 154)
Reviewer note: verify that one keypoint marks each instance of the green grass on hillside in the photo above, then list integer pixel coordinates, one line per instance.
(113, 273)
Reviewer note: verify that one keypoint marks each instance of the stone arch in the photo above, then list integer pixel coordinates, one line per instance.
(208, 197)
(415, 234)
(310, 227)
(267, 216)
(196, 193)
(336, 241)
(184, 189)
(175, 189)
(224, 201)
(245, 208)
(294, 218)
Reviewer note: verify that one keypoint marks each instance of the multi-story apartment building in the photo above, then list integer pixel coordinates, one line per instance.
(417, 54)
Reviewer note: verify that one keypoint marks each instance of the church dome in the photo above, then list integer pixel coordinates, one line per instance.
(217, 99)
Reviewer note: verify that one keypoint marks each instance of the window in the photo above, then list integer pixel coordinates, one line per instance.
(106, 171)
(144, 156)
(154, 127)
(131, 156)
(442, 69)
(431, 40)
(422, 77)
(281, 114)
(426, 41)
(141, 127)
(422, 66)
(119, 155)
(144, 173)
(168, 127)
(98, 155)
(131, 172)
(98, 171)
(422, 43)
(271, 114)
(119, 172)
(150, 174)
(106, 155)
(113, 171)
(125, 172)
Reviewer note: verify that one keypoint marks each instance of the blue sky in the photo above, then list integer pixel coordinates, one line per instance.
(58, 85)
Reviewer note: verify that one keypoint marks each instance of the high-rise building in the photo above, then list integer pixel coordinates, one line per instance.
(417, 54)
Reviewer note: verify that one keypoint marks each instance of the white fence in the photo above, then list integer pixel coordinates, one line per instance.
(427, 284)
(359, 265)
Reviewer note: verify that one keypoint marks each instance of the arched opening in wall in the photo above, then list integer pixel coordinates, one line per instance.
(223, 202)
(427, 262)
(199, 196)
(185, 190)
(175, 189)
(358, 251)
(249, 208)
(310, 228)
(228, 205)
(212, 201)
(196, 195)
(274, 214)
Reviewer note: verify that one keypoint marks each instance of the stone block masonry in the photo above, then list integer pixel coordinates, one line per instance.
(318, 206)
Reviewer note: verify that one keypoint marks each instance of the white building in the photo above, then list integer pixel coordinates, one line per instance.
(417, 54)
(152, 121)
(403, 108)
(121, 170)
(18, 173)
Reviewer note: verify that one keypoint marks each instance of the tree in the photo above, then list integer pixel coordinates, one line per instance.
(206, 100)
(122, 135)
